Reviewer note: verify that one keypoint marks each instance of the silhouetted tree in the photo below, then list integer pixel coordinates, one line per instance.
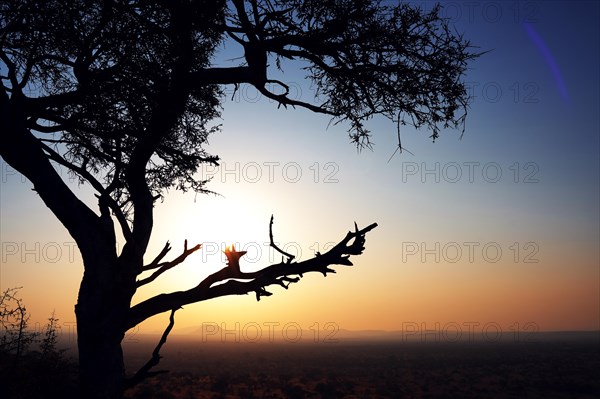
(123, 94)
(15, 336)
(49, 342)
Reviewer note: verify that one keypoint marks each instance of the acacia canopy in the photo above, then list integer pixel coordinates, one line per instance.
(113, 86)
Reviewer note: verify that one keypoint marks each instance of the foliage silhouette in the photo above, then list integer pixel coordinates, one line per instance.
(26, 372)
(124, 93)
(15, 335)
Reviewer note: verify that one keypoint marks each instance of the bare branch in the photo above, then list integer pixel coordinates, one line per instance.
(163, 267)
(154, 264)
(288, 255)
(144, 372)
(85, 174)
(277, 274)
(12, 72)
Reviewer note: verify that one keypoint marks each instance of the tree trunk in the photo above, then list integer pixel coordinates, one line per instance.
(101, 311)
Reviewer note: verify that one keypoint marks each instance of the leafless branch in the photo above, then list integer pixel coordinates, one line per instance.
(226, 281)
(144, 372)
(154, 264)
(288, 255)
(85, 174)
(163, 267)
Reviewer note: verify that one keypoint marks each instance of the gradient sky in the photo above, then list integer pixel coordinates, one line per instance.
(501, 226)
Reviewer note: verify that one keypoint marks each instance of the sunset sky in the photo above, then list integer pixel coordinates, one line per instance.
(501, 226)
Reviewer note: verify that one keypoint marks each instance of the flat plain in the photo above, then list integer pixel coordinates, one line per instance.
(547, 366)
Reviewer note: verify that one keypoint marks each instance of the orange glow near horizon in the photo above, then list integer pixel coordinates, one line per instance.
(372, 295)
(409, 274)
(417, 269)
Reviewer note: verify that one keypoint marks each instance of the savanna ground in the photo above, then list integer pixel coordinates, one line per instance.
(556, 368)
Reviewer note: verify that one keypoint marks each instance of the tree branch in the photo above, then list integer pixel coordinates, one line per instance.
(277, 274)
(154, 264)
(163, 267)
(22, 150)
(288, 255)
(104, 197)
(284, 100)
(144, 372)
